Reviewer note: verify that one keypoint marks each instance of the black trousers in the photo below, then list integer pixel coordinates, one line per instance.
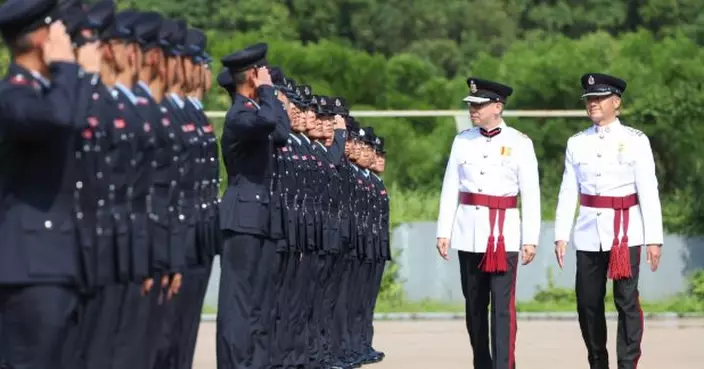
(340, 331)
(479, 288)
(592, 268)
(195, 285)
(246, 301)
(36, 320)
(362, 270)
(375, 286)
(301, 305)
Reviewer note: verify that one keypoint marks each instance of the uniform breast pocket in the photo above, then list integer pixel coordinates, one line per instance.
(253, 210)
(51, 243)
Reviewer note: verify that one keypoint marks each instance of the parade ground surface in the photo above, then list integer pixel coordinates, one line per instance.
(673, 344)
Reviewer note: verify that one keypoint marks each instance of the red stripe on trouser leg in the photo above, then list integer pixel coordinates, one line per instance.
(513, 324)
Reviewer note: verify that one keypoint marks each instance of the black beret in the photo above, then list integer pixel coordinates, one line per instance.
(597, 84)
(146, 28)
(483, 91)
(20, 17)
(252, 56)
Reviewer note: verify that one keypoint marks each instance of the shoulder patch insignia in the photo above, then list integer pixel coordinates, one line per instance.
(19, 80)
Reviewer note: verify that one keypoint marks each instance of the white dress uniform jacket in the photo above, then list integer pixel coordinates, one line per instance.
(503, 165)
(613, 160)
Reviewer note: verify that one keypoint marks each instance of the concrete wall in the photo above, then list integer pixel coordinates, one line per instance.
(426, 275)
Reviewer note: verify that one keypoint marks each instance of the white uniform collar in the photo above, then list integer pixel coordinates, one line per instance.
(145, 87)
(607, 128)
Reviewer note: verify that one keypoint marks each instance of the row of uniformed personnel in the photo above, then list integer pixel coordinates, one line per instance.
(108, 187)
(306, 224)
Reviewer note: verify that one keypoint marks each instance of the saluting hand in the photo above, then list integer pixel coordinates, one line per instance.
(528, 254)
(57, 47)
(89, 57)
(263, 77)
(443, 247)
(339, 122)
(560, 251)
(653, 252)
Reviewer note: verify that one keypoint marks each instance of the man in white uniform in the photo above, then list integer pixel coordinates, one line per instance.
(610, 169)
(488, 166)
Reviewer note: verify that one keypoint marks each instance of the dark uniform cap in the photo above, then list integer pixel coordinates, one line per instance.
(166, 32)
(299, 98)
(482, 91)
(225, 80)
(597, 84)
(146, 28)
(73, 13)
(290, 88)
(195, 39)
(306, 95)
(175, 37)
(20, 17)
(280, 81)
(314, 102)
(379, 145)
(100, 16)
(121, 27)
(277, 76)
(252, 56)
(362, 134)
(339, 106)
(204, 57)
(369, 136)
(325, 105)
(352, 126)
